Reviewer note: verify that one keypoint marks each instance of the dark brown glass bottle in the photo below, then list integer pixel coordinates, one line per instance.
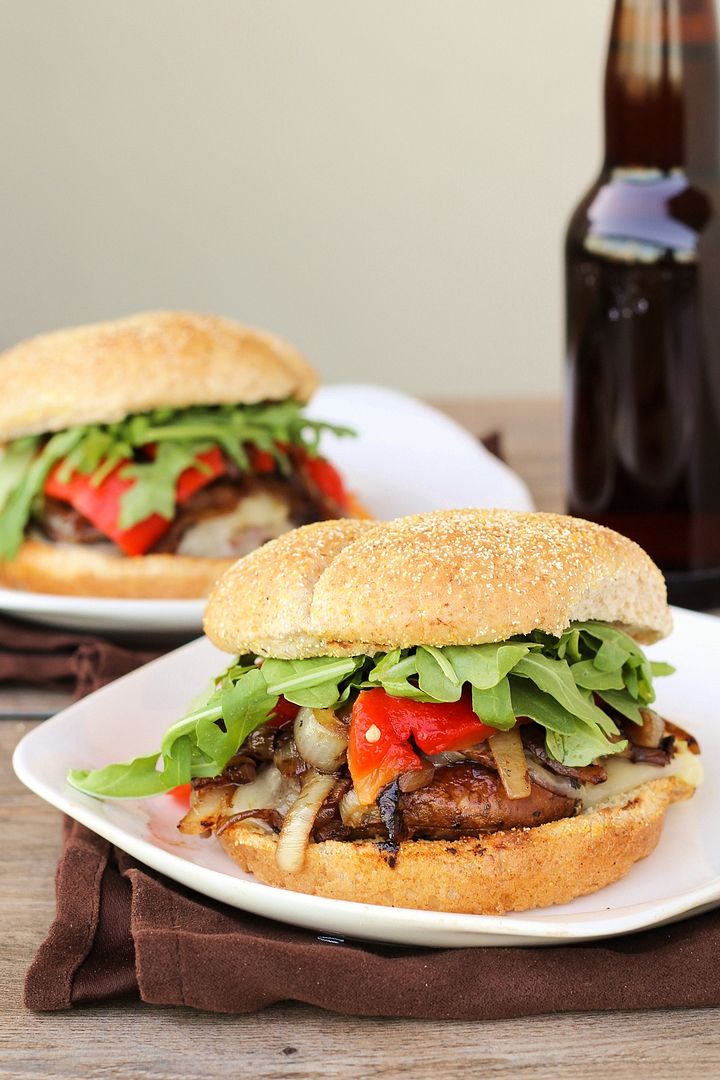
(643, 299)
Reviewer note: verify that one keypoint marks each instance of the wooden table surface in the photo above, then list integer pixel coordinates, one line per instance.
(135, 1040)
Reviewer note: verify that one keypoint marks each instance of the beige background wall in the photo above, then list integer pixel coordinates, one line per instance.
(385, 182)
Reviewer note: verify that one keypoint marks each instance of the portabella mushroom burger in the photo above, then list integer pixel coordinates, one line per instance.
(450, 711)
(141, 457)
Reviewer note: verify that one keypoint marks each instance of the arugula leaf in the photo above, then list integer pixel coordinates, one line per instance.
(156, 482)
(569, 646)
(555, 677)
(493, 705)
(611, 636)
(611, 655)
(100, 447)
(622, 703)
(19, 500)
(200, 744)
(397, 664)
(483, 666)
(436, 675)
(322, 696)
(587, 675)
(139, 778)
(246, 704)
(658, 669)
(579, 743)
(291, 677)
(543, 708)
(578, 748)
(393, 672)
(14, 463)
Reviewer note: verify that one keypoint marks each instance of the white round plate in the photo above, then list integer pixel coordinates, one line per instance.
(407, 458)
(127, 718)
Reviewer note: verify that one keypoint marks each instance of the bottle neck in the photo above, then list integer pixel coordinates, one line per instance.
(662, 86)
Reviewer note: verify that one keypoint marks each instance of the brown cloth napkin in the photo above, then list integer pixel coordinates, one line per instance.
(122, 929)
(40, 655)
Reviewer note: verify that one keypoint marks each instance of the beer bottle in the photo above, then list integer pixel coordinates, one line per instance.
(643, 299)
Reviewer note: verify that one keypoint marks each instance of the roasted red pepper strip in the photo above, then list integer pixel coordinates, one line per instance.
(283, 713)
(380, 728)
(193, 480)
(261, 461)
(327, 478)
(318, 470)
(182, 793)
(324, 476)
(101, 504)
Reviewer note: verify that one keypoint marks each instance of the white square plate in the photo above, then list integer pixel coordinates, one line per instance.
(128, 717)
(407, 458)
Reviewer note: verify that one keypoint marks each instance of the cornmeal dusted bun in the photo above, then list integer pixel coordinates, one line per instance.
(453, 577)
(74, 570)
(101, 373)
(508, 870)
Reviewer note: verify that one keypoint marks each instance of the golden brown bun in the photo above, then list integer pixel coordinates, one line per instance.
(78, 571)
(505, 871)
(453, 577)
(164, 359)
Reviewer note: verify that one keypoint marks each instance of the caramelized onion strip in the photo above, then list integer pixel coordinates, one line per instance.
(299, 820)
(509, 754)
(321, 739)
(650, 732)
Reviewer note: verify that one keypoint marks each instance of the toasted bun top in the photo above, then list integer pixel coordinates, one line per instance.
(163, 359)
(453, 577)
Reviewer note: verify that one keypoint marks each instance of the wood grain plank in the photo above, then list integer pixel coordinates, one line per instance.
(31, 702)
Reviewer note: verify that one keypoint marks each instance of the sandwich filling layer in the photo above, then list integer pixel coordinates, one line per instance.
(424, 743)
(212, 481)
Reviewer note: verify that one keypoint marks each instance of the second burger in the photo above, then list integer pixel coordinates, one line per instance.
(143, 456)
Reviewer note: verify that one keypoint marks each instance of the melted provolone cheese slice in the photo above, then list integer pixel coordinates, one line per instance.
(623, 775)
(256, 519)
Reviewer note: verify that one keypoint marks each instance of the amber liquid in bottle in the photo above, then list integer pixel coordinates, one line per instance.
(643, 300)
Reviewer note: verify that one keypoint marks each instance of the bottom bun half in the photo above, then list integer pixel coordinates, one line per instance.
(74, 570)
(499, 872)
